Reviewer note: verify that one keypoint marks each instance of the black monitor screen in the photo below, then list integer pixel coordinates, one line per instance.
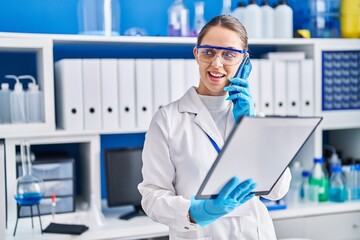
(123, 174)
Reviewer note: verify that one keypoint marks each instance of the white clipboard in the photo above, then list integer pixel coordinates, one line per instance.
(259, 148)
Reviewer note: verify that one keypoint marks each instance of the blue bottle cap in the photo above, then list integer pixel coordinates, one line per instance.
(305, 173)
(336, 169)
(319, 160)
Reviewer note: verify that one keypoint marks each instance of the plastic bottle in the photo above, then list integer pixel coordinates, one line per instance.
(4, 103)
(354, 182)
(253, 20)
(305, 187)
(319, 180)
(337, 190)
(34, 108)
(178, 19)
(293, 195)
(226, 9)
(283, 20)
(239, 12)
(17, 102)
(199, 20)
(99, 17)
(267, 13)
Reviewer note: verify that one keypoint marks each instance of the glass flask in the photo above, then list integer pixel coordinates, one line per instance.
(29, 188)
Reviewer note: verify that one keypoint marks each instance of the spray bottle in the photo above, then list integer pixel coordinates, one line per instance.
(17, 102)
(33, 101)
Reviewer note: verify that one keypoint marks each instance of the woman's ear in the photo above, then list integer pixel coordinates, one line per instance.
(195, 54)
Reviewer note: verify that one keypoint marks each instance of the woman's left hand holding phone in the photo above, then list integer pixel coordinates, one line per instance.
(240, 95)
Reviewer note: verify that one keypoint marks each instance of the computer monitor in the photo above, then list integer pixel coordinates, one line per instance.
(123, 174)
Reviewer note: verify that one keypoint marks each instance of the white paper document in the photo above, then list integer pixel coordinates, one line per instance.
(259, 148)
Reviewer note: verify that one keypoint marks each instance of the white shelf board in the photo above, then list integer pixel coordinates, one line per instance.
(340, 119)
(77, 38)
(63, 133)
(307, 210)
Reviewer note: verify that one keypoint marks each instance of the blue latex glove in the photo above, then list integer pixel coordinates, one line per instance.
(239, 94)
(232, 195)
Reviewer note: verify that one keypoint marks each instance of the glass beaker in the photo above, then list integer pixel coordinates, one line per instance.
(29, 188)
(99, 17)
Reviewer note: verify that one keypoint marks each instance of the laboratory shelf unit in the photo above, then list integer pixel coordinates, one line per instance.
(49, 48)
(42, 50)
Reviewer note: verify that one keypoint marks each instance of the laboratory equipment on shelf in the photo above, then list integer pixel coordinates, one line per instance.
(239, 12)
(253, 20)
(199, 20)
(267, 13)
(350, 18)
(319, 182)
(29, 188)
(4, 103)
(283, 20)
(305, 187)
(353, 183)
(226, 8)
(17, 102)
(99, 17)
(178, 19)
(337, 189)
(325, 18)
(34, 107)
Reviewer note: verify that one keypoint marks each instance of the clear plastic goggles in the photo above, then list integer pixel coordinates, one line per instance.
(228, 56)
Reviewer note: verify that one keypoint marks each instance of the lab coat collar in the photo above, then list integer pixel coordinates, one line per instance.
(192, 103)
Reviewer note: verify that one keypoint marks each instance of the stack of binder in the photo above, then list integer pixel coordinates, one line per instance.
(283, 84)
(113, 94)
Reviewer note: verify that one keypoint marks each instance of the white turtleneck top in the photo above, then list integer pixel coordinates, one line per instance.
(219, 109)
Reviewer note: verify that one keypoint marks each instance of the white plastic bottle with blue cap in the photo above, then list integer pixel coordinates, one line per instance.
(33, 101)
(4, 103)
(17, 102)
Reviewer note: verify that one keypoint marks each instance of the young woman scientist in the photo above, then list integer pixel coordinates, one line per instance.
(178, 151)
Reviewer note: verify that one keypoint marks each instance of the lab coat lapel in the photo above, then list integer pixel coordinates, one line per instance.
(191, 102)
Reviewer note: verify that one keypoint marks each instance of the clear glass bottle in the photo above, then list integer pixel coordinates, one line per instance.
(178, 19)
(99, 17)
(29, 188)
(337, 190)
(199, 20)
(319, 180)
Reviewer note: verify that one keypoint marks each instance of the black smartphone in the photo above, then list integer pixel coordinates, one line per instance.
(240, 72)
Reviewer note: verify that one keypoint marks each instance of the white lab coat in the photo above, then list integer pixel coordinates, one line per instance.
(177, 155)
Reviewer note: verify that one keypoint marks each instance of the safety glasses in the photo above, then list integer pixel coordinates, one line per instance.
(228, 56)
